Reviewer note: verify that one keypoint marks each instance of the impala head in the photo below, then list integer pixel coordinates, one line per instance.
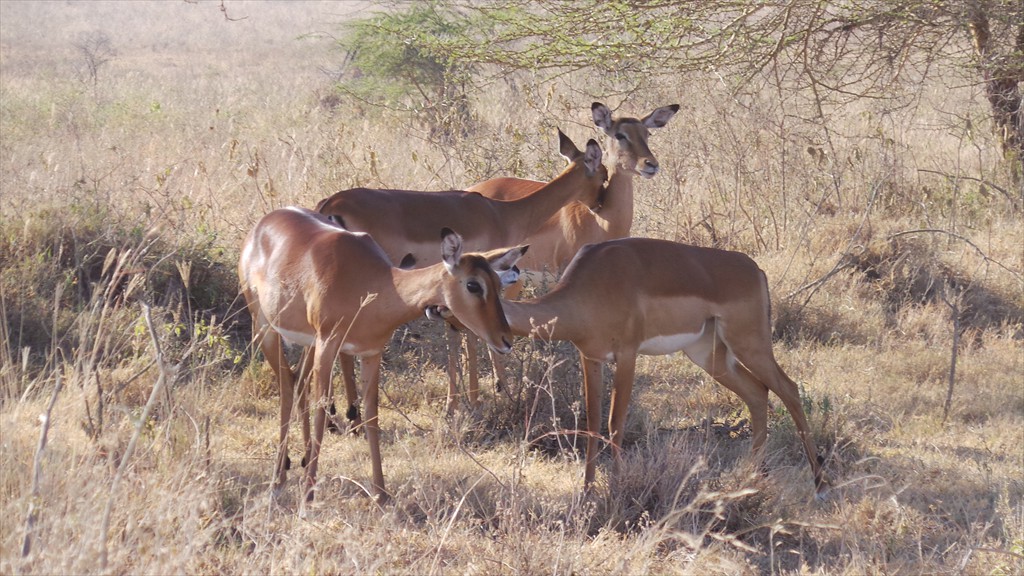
(590, 160)
(472, 289)
(627, 137)
(590, 157)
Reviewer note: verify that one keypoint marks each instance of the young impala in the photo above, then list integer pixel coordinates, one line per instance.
(311, 283)
(405, 223)
(577, 223)
(632, 296)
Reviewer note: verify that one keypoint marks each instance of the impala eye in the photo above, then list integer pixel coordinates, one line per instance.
(474, 287)
(620, 136)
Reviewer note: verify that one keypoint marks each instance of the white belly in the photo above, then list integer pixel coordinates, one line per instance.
(306, 340)
(295, 338)
(668, 343)
(353, 350)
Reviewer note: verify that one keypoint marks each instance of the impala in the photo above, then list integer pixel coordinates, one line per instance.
(405, 223)
(632, 296)
(311, 283)
(577, 224)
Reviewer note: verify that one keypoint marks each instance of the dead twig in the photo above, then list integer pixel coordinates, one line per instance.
(981, 181)
(224, 10)
(37, 469)
(139, 425)
(954, 310)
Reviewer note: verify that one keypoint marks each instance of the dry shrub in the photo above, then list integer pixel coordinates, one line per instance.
(87, 258)
(909, 271)
(797, 322)
(910, 282)
(173, 159)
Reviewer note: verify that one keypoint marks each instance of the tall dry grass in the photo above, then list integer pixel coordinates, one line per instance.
(891, 240)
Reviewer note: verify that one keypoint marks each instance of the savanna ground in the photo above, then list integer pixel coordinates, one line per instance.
(892, 247)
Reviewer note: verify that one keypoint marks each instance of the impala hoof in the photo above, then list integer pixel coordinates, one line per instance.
(822, 485)
(355, 419)
(288, 463)
(332, 420)
(762, 469)
(276, 490)
(822, 494)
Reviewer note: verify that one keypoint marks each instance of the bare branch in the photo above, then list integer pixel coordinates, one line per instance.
(962, 239)
(37, 468)
(988, 183)
(224, 10)
(161, 380)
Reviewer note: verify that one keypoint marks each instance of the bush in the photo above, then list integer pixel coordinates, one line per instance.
(67, 276)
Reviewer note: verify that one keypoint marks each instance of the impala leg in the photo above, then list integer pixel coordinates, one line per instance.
(371, 383)
(769, 371)
(592, 386)
(348, 374)
(497, 364)
(323, 362)
(622, 390)
(454, 340)
(304, 383)
(786, 389)
(273, 350)
(754, 350)
(712, 354)
(473, 368)
(500, 373)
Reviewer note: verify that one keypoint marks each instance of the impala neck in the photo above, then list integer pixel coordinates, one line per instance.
(554, 319)
(616, 213)
(528, 213)
(415, 290)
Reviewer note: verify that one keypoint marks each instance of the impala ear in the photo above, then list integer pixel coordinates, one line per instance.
(602, 116)
(451, 248)
(504, 265)
(567, 148)
(592, 157)
(337, 220)
(408, 263)
(509, 277)
(660, 116)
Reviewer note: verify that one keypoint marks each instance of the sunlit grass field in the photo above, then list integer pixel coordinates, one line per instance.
(892, 244)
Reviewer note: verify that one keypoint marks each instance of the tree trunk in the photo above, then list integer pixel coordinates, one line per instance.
(1002, 76)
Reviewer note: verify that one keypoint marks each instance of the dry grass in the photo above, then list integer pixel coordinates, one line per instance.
(140, 188)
